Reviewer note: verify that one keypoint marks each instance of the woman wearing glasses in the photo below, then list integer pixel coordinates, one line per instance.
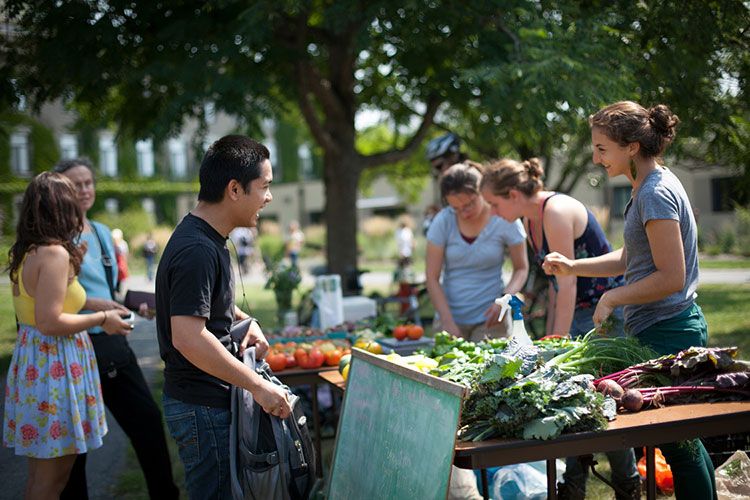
(466, 244)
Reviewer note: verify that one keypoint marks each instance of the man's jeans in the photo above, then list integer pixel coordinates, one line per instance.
(202, 435)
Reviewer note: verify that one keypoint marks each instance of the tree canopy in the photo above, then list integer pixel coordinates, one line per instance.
(513, 77)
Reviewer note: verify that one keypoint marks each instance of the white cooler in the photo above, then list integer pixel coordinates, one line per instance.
(357, 307)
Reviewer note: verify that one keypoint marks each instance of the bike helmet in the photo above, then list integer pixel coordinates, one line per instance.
(443, 145)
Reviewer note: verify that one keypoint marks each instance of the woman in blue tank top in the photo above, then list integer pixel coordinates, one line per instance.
(558, 223)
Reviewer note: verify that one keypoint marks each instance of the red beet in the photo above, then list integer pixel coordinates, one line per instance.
(610, 388)
(632, 400)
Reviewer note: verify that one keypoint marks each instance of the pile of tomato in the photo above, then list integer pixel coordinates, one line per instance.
(306, 355)
(412, 332)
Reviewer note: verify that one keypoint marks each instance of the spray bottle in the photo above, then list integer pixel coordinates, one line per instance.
(518, 335)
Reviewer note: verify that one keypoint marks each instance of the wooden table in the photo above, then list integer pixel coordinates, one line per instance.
(301, 376)
(647, 428)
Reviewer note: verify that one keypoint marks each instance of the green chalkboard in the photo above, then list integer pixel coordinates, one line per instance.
(396, 433)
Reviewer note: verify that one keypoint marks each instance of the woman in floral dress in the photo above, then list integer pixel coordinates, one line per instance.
(53, 403)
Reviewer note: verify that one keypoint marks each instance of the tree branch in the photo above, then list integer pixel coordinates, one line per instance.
(308, 111)
(395, 155)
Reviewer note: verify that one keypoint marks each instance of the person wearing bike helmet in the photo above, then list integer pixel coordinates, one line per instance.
(444, 151)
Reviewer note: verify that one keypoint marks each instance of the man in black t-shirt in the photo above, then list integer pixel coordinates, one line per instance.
(195, 310)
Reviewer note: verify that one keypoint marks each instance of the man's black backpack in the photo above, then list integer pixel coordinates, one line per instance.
(270, 458)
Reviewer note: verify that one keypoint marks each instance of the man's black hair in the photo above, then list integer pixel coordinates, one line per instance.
(233, 157)
(64, 165)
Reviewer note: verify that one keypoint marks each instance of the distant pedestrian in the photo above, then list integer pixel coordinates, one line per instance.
(243, 240)
(405, 244)
(150, 249)
(121, 255)
(295, 239)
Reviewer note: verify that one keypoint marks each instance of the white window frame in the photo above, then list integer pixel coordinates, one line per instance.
(144, 155)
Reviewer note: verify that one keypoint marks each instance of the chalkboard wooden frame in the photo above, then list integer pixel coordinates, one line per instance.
(396, 434)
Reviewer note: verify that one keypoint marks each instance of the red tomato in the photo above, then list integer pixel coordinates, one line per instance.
(277, 361)
(290, 361)
(301, 356)
(316, 358)
(415, 332)
(400, 332)
(333, 357)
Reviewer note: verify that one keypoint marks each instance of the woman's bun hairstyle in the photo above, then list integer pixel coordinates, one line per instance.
(626, 122)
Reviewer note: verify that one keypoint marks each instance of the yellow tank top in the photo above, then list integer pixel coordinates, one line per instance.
(75, 297)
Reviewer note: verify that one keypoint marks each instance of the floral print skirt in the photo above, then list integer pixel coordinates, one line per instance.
(53, 398)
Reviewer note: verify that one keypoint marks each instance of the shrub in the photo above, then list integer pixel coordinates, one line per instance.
(377, 238)
(742, 217)
(133, 221)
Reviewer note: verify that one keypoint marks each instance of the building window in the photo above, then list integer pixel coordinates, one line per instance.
(108, 154)
(149, 206)
(726, 193)
(620, 199)
(209, 112)
(68, 146)
(305, 161)
(144, 152)
(19, 152)
(177, 157)
(111, 205)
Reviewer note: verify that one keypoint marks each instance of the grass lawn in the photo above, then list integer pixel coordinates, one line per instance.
(739, 263)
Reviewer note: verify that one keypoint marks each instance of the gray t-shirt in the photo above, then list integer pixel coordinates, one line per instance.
(473, 272)
(660, 197)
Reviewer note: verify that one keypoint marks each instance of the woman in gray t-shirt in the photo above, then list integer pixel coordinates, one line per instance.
(659, 259)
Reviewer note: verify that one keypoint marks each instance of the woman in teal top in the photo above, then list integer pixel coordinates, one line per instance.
(659, 259)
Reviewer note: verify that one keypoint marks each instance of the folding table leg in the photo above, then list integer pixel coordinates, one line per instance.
(650, 473)
(485, 485)
(316, 422)
(552, 479)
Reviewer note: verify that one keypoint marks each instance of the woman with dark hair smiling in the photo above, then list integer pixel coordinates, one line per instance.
(53, 403)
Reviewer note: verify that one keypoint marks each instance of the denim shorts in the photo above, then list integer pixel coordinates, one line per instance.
(202, 436)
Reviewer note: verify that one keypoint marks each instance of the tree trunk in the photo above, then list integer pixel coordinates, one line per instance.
(342, 173)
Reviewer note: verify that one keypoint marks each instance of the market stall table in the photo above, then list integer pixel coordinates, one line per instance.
(308, 376)
(647, 428)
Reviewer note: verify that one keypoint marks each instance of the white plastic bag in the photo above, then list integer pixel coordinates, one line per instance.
(329, 299)
(733, 477)
(523, 481)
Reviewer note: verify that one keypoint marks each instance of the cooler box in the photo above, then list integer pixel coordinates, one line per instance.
(357, 307)
(406, 347)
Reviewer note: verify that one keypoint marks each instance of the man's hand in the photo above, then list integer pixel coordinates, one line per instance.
(273, 399)
(255, 337)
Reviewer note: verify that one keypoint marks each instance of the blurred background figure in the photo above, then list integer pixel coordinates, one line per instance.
(295, 238)
(405, 243)
(150, 249)
(429, 213)
(244, 241)
(444, 151)
(122, 251)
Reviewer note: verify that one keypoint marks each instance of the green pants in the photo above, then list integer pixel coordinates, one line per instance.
(691, 465)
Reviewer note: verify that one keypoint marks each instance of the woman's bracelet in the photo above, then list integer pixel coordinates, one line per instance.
(104, 320)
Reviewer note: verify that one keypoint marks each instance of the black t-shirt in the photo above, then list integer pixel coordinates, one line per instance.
(194, 279)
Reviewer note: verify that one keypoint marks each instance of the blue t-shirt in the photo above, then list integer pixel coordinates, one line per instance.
(473, 272)
(92, 276)
(660, 197)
